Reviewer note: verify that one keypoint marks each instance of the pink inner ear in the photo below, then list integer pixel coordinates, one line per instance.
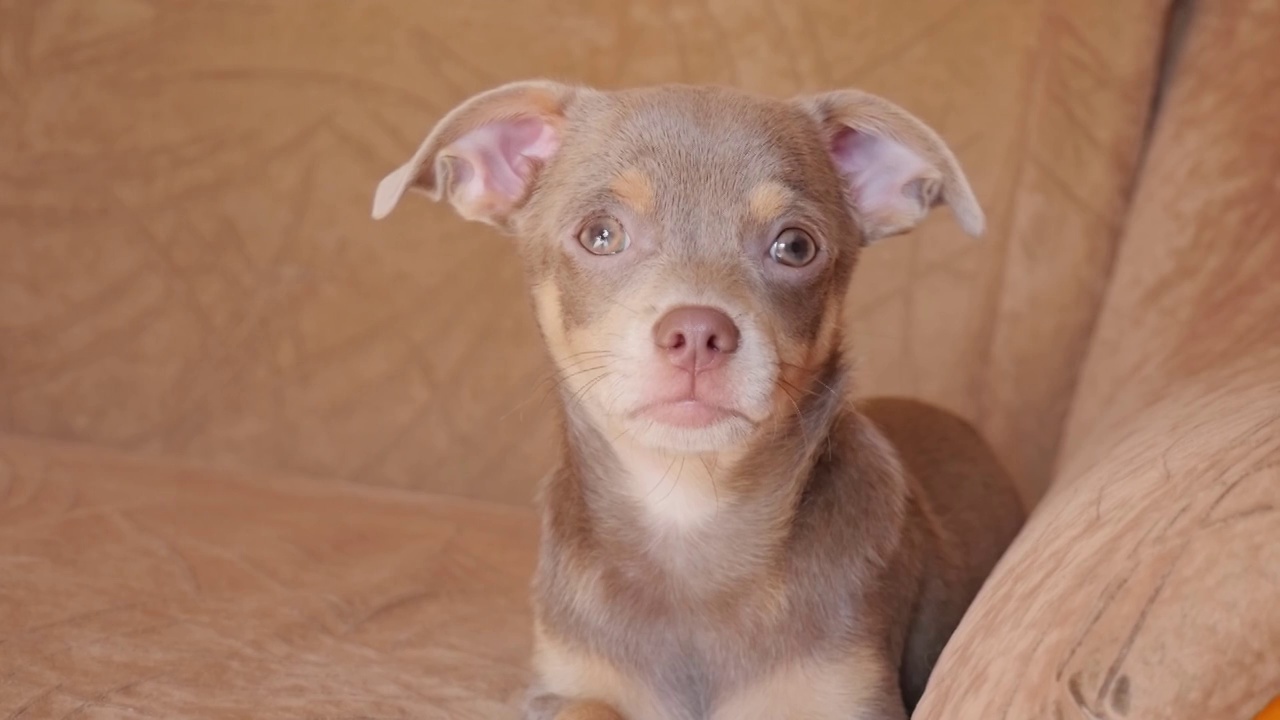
(879, 170)
(497, 160)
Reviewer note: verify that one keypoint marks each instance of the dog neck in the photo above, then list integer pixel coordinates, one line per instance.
(709, 517)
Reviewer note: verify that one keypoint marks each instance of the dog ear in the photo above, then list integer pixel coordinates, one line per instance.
(896, 169)
(484, 156)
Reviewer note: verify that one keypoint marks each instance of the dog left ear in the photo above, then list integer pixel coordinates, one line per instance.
(896, 168)
(484, 156)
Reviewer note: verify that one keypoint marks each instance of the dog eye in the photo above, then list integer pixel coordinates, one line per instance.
(604, 236)
(794, 248)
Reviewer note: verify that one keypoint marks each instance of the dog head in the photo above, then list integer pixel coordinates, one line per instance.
(688, 248)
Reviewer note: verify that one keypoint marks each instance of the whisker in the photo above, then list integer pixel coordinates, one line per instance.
(579, 362)
(619, 303)
(675, 482)
(613, 399)
(581, 371)
(556, 377)
(802, 368)
(577, 358)
(664, 477)
(581, 394)
(619, 435)
(712, 477)
(541, 390)
(799, 416)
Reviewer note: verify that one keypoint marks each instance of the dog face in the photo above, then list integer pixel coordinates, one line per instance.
(688, 248)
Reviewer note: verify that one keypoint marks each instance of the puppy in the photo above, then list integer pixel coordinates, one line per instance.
(727, 534)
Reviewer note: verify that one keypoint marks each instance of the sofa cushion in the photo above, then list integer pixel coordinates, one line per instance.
(1147, 584)
(195, 179)
(142, 589)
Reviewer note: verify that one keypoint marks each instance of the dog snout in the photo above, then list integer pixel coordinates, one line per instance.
(696, 338)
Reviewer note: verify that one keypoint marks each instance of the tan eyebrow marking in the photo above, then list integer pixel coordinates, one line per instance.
(634, 188)
(768, 200)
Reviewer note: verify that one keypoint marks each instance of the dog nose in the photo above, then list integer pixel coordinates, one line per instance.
(696, 338)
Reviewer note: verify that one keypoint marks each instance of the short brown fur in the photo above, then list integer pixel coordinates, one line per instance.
(808, 558)
(588, 710)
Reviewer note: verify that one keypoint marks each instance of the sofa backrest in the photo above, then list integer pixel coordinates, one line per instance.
(187, 264)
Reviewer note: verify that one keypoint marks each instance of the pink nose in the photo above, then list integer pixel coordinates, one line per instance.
(696, 338)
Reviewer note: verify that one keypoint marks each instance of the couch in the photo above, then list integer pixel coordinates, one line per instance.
(260, 457)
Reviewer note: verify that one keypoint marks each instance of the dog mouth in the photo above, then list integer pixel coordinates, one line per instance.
(688, 413)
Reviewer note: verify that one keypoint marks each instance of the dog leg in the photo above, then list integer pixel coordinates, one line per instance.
(554, 707)
(588, 710)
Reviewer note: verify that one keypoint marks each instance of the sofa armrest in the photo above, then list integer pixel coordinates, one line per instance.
(1147, 583)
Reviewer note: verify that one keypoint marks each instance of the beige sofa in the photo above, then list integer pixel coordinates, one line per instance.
(262, 458)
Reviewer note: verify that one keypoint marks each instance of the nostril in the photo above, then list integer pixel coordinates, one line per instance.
(696, 338)
(725, 341)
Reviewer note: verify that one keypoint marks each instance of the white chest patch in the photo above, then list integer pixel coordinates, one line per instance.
(675, 492)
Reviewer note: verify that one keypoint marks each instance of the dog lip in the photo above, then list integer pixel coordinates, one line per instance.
(686, 412)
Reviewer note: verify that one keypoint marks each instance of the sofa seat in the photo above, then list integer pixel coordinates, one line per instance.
(137, 588)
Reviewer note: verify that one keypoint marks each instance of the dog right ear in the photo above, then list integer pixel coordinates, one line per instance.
(484, 156)
(895, 168)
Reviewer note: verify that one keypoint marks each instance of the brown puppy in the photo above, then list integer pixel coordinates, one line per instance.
(726, 536)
